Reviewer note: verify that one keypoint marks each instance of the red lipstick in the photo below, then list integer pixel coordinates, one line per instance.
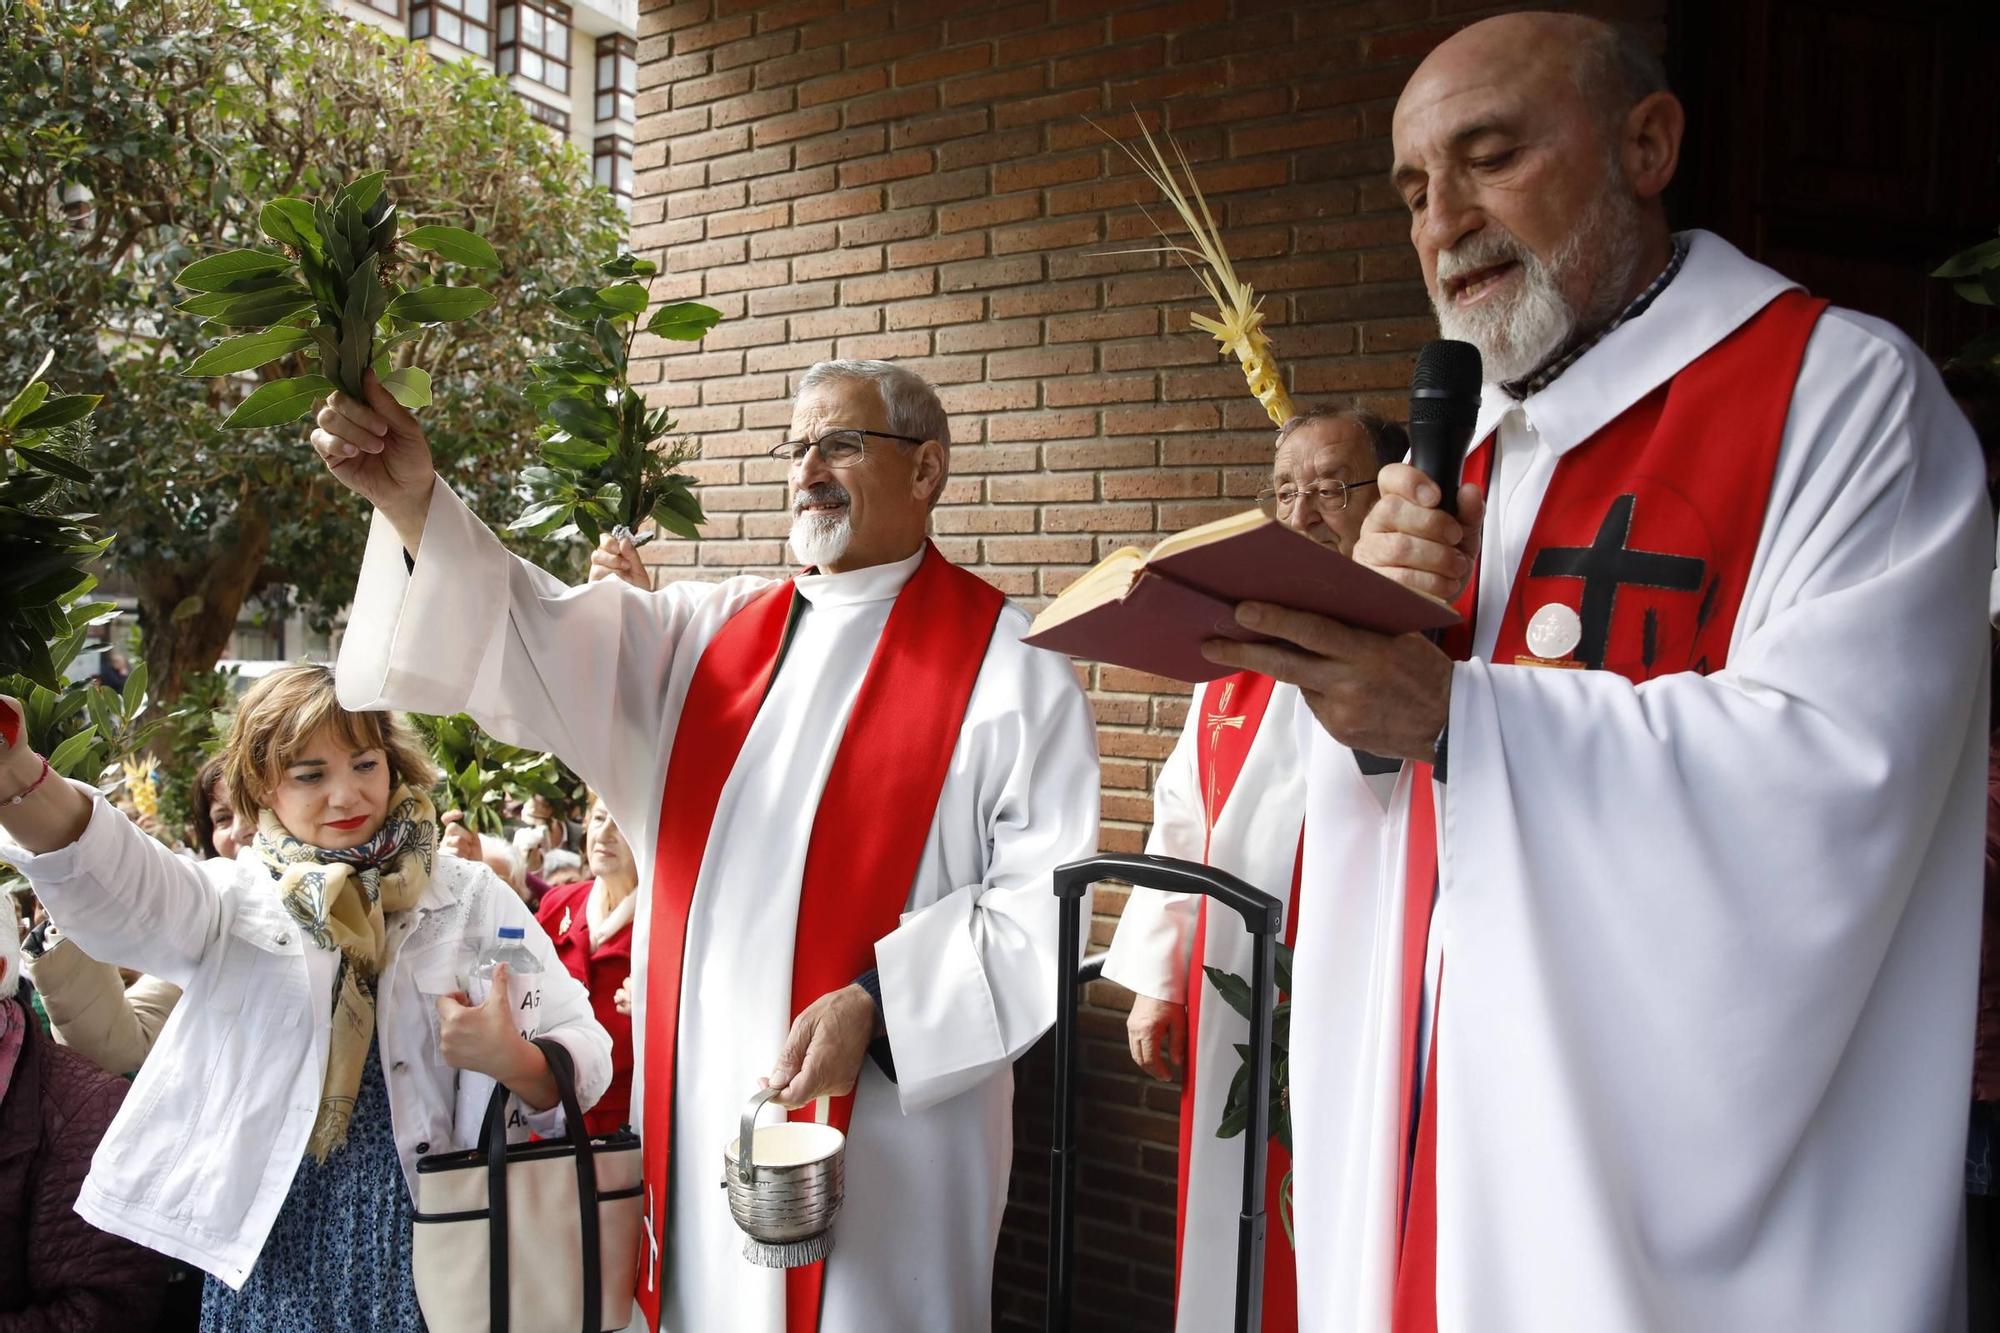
(345, 824)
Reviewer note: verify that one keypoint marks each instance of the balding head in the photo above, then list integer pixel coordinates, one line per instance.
(1532, 150)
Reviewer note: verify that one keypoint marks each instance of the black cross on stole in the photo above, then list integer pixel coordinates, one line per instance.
(1605, 566)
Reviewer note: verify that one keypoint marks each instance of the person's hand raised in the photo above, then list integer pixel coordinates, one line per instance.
(376, 449)
(1409, 539)
(618, 558)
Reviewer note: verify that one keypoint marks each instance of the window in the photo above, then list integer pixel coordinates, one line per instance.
(467, 24)
(617, 77)
(611, 163)
(554, 118)
(534, 41)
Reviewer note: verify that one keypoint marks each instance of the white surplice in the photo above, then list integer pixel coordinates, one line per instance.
(598, 675)
(1257, 840)
(1709, 945)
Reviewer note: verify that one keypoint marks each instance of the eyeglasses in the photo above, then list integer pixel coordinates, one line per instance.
(1330, 496)
(840, 447)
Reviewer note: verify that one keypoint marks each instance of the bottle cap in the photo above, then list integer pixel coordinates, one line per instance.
(510, 933)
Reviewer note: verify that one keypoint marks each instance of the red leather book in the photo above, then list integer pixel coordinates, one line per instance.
(1152, 610)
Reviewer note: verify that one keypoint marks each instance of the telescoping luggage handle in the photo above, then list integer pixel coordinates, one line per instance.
(1263, 917)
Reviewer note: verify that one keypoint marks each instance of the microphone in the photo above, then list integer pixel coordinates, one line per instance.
(1444, 407)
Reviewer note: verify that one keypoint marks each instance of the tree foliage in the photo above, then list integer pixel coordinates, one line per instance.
(167, 126)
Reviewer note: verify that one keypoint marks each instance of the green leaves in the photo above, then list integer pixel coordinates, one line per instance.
(280, 401)
(1975, 275)
(606, 462)
(45, 542)
(232, 270)
(63, 411)
(249, 351)
(455, 244)
(1235, 992)
(439, 305)
(683, 321)
(341, 251)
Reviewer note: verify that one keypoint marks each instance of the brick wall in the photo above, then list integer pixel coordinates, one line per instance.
(916, 181)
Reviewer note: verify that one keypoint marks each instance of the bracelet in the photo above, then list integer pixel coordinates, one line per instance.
(40, 778)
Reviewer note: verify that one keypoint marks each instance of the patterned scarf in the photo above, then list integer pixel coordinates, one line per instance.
(339, 898)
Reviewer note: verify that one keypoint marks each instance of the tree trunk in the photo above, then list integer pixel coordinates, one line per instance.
(176, 649)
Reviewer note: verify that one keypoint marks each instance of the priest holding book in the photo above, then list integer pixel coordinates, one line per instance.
(846, 790)
(1232, 795)
(1646, 1005)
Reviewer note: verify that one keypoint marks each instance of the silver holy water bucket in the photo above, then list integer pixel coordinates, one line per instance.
(785, 1188)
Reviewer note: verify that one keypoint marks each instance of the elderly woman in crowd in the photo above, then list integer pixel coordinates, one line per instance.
(317, 1053)
(90, 1008)
(591, 924)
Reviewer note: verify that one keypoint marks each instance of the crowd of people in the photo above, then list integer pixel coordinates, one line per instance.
(1635, 919)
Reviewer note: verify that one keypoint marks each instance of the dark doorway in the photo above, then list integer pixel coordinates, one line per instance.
(1850, 145)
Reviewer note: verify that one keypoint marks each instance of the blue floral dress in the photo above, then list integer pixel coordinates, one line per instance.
(338, 1258)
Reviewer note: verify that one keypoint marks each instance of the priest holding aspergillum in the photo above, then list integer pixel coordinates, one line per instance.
(846, 790)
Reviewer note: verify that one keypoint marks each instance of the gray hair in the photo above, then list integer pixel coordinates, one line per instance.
(1391, 442)
(1617, 69)
(911, 404)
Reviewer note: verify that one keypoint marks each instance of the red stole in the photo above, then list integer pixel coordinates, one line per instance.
(892, 756)
(1231, 710)
(1647, 533)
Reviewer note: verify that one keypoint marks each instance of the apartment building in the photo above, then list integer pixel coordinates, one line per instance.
(574, 63)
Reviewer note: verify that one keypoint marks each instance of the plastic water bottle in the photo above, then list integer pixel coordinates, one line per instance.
(524, 1002)
(524, 979)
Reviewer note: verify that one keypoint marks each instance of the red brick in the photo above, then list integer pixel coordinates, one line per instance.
(1040, 362)
(761, 162)
(962, 398)
(791, 241)
(978, 274)
(1096, 389)
(944, 126)
(891, 47)
(1045, 42)
(1037, 550)
(1041, 488)
(886, 346)
(1041, 426)
(837, 147)
(841, 87)
(695, 147)
(896, 166)
(796, 68)
(792, 12)
(757, 49)
(1173, 417)
(798, 125)
(846, 204)
(1043, 299)
(936, 250)
(1097, 518)
(897, 105)
(992, 89)
(892, 286)
(982, 214)
(1103, 325)
(791, 184)
(938, 187)
(846, 27)
(683, 258)
(796, 296)
(838, 263)
(1034, 173)
(1325, 127)
(707, 35)
(972, 459)
(982, 22)
(691, 92)
(1109, 62)
(888, 227)
(693, 203)
(749, 219)
(986, 336)
(741, 332)
(981, 520)
(942, 310)
(787, 356)
(936, 65)
(1096, 197)
(751, 106)
(1032, 110)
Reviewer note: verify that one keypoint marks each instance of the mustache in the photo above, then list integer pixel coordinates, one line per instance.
(820, 493)
(1481, 250)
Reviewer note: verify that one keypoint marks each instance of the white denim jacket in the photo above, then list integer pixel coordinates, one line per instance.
(202, 1154)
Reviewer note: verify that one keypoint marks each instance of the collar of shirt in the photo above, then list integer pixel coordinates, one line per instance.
(876, 583)
(1547, 375)
(1718, 288)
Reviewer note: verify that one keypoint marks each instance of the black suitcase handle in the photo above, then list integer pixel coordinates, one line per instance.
(1263, 916)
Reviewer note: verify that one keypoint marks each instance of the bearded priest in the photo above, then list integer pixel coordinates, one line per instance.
(1647, 1005)
(846, 790)
(1232, 795)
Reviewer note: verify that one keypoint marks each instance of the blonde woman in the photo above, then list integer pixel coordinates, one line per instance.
(272, 1140)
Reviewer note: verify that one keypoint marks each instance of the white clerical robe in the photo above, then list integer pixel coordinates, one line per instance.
(1709, 945)
(597, 674)
(1256, 838)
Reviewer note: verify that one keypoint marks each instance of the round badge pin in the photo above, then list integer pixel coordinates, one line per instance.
(1554, 632)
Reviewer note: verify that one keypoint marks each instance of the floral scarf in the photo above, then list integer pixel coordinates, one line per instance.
(340, 898)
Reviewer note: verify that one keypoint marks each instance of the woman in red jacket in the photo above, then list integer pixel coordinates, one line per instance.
(591, 924)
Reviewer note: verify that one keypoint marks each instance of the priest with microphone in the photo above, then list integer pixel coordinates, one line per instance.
(1645, 1001)
(846, 791)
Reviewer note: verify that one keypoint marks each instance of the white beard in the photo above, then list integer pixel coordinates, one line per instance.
(820, 539)
(1519, 335)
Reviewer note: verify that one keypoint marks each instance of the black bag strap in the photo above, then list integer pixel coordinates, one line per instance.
(493, 1143)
